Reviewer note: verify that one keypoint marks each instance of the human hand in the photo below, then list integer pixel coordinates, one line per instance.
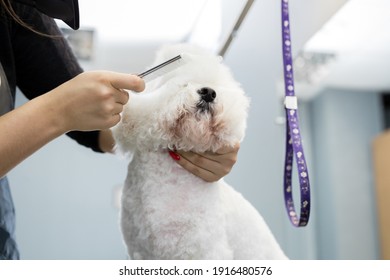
(208, 166)
(94, 100)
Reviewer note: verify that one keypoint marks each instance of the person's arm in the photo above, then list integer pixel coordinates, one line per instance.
(25, 130)
(43, 63)
(91, 101)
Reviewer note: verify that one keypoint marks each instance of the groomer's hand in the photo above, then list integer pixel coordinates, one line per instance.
(90, 101)
(209, 166)
(94, 100)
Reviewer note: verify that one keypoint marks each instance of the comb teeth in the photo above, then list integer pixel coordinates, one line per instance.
(163, 68)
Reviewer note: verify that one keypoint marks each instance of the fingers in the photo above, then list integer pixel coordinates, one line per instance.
(224, 150)
(114, 120)
(197, 165)
(228, 149)
(119, 82)
(122, 81)
(94, 100)
(117, 108)
(209, 166)
(126, 81)
(122, 97)
(198, 160)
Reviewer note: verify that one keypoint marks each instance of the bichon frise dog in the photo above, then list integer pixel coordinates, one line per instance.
(167, 212)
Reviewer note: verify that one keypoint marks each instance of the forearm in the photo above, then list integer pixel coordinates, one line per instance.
(27, 129)
(90, 101)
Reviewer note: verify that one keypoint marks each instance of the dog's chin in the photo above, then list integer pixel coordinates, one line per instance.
(199, 134)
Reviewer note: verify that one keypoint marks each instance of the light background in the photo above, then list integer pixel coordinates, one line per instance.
(65, 194)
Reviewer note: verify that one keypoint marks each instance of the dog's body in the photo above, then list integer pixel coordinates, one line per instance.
(168, 213)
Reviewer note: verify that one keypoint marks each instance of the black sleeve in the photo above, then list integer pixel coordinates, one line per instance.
(43, 63)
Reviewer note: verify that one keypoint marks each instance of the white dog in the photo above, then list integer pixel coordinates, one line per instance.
(168, 213)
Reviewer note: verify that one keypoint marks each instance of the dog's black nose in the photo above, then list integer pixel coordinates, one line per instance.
(207, 94)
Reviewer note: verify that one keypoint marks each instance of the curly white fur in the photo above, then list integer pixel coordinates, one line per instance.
(166, 212)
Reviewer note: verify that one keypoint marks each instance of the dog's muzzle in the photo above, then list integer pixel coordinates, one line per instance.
(207, 96)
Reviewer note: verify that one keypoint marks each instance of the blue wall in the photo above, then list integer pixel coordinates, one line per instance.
(344, 123)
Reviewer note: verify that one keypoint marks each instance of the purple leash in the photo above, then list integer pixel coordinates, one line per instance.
(293, 134)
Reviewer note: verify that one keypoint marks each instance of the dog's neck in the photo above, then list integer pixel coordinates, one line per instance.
(158, 167)
(150, 160)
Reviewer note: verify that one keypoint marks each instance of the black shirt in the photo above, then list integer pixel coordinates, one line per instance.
(36, 64)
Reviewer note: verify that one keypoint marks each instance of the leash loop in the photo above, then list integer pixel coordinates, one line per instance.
(293, 134)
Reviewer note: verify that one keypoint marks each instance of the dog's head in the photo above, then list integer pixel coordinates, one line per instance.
(197, 107)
